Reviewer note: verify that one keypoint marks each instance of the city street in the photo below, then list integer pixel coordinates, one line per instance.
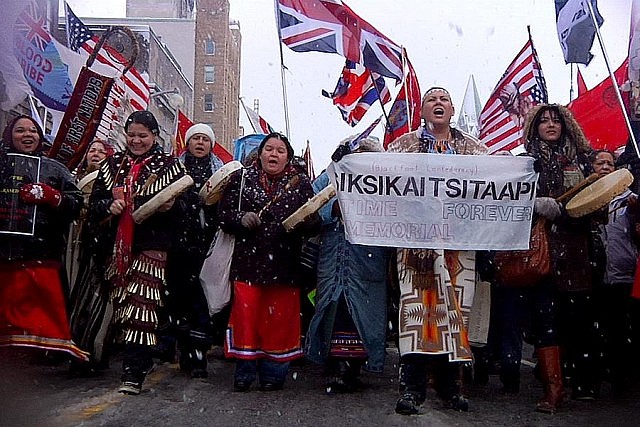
(36, 393)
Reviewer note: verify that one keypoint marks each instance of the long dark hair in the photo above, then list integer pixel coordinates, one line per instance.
(537, 119)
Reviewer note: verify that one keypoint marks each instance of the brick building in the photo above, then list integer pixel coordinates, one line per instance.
(216, 83)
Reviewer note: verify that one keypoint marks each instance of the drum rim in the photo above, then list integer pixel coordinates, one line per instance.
(618, 181)
(210, 193)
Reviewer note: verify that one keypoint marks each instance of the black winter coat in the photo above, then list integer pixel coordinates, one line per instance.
(196, 222)
(52, 223)
(156, 232)
(267, 255)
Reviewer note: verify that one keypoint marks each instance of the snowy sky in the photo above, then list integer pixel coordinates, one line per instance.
(446, 41)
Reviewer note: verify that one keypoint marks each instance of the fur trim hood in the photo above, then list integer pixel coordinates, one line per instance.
(572, 132)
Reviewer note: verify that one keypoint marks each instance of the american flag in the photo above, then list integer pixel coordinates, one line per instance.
(128, 88)
(356, 92)
(521, 87)
(331, 26)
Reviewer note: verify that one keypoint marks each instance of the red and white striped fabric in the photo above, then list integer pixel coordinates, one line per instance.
(130, 91)
(521, 87)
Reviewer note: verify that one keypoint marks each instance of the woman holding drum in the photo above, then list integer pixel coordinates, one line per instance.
(264, 328)
(132, 198)
(563, 157)
(195, 226)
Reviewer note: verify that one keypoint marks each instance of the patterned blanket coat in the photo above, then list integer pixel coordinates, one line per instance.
(436, 286)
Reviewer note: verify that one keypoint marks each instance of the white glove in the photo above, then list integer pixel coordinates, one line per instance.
(250, 220)
(547, 207)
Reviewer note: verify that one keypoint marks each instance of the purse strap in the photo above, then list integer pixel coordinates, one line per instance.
(241, 190)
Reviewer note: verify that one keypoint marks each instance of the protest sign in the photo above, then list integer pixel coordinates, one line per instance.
(16, 170)
(435, 201)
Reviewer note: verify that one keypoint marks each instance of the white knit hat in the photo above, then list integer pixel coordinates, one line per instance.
(200, 128)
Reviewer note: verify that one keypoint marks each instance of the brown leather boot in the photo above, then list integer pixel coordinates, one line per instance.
(550, 373)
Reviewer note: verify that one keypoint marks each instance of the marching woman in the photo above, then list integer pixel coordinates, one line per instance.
(561, 303)
(348, 330)
(33, 309)
(136, 271)
(264, 328)
(89, 308)
(196, 224)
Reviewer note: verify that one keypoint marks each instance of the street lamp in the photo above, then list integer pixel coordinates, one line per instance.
(173, 97)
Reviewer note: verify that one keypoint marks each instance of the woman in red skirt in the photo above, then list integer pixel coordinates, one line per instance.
(264, 329)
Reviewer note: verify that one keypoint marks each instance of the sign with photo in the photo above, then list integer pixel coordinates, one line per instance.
(16, 170)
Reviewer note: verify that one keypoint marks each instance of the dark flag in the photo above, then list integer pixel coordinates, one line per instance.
(576, 30)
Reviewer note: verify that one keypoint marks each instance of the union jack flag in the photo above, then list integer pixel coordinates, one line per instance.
(32, 25)
(521, 87)
(356, 91)
(331, 26)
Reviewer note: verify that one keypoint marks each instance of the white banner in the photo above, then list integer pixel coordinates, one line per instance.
(415, 200)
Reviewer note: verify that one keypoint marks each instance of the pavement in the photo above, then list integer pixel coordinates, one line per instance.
(35, 391)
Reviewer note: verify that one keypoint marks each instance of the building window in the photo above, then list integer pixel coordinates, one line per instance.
(209, 74)
(208, 102)
(209, 47)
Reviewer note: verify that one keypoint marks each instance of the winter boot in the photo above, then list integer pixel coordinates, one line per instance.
(551, 375)
(510, 378)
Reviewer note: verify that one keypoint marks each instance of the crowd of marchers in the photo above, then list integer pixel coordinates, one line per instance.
(108, 258)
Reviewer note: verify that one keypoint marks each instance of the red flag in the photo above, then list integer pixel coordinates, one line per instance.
(222, 153)
(600, 115)
(259, 124)
(400, 120)
(582, 86)
(521, 87)
(184, 123)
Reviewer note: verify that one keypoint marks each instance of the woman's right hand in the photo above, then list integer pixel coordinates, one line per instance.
(117, 207)
(250, 220)
(547, 207)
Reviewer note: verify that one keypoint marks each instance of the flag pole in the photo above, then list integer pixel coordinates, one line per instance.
(244, 107)
(613, 79)
(571, 82)
(282, 70)
(384, 112)
(406, 90)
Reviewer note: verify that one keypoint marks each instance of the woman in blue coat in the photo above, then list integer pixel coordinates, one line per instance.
(348, 330)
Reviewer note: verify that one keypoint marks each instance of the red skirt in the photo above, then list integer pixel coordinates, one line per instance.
(264, 323)
(33, 311)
